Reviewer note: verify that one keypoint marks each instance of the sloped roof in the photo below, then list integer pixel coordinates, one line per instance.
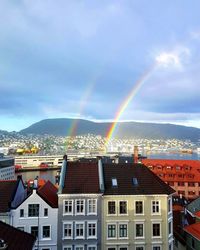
(81, 178)
(191, 174)
(48, 192)
(15, 238)
(193, 230)
(148, 182)
(7, 192)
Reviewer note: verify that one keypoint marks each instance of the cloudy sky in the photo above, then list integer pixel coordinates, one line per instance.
(80, 58)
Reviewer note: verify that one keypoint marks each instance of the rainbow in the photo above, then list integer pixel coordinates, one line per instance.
(84, 100)
(127, 100)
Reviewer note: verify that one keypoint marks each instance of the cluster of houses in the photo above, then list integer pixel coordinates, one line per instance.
(108, 206)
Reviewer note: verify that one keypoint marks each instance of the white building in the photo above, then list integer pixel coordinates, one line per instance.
(38, 215)
(7, 168)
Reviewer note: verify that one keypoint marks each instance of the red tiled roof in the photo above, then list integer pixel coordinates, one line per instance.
(190, 169)
(15, 238)
(148, 182)
(193, 230)
(197, 214)
(81, 177)
(7, 192)
(49, 193)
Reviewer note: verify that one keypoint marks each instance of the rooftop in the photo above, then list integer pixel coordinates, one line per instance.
(133, 179)
(81, 178)
(15, 238)
(193, 230)
(48, 192)
(7, 192)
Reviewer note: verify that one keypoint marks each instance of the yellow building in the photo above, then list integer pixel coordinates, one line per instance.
(137, 209)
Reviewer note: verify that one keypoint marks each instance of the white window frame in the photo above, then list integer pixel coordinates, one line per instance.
(80, 223)
(95, 236)
(156, 237)
(76, 246)
(38, 230)
(88, 206)
(171, 227)
(126, 208)
(67, 223)
(79, 213)
(157, 245)
(115, 224)
(121, 223)
(120, 247)
(69, 246)
(139, 246)
(68, 213)
(88, 247)
(45, 238)
(139, 223)
(115, 208)
(33, 203)
(135, 208)
(159, 206)
(170, 205)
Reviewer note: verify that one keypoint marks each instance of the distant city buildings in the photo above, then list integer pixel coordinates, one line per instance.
(7, 168)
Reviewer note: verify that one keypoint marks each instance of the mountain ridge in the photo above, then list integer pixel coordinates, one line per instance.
(129, 129)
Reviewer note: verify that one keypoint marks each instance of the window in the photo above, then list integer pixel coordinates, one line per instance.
(33, 210)
(111, 207)
(191, 184)
(139, 207)
(156, 247)
(170, 227)
(139, 248)
(155, 207)
(92, 231)
(67, 248)
(111, 248)
(79, 230)
(123, 207)
(20, 228)
(156, 229)
(114, 182)
(181, 183)
(135, 181)
(45, 212)
(139, 230)
(170, 205)
(123, 248)
(21, 212)
(45, 248)
(123, 228)
(67, 230)
(80, 206)
(91, 248)
(68, 207)
(79, 247)
(46, 232)
(111, 231)
(92, 206)
(34, 231)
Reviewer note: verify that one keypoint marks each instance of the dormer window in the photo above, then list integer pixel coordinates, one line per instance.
(114, 182)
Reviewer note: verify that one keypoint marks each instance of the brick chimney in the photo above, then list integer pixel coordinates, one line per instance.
(135, 154)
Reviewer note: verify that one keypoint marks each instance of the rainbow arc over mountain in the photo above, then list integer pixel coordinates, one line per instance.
(139, 83)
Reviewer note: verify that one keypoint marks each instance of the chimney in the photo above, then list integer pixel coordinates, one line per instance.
(62, 174)
(116, 159)
(101, 177)
(35, 183)
(135, 154)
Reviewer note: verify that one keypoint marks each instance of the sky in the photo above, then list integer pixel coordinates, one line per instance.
(81, 59)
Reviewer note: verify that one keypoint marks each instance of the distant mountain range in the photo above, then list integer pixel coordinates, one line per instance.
(62, 126)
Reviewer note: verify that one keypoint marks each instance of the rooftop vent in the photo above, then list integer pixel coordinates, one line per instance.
(135, 181)
(114, 182)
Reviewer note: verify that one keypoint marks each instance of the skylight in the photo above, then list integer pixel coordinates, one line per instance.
(114, 182)
(135, 181)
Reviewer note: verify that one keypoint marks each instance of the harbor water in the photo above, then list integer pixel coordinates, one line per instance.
(50, 174)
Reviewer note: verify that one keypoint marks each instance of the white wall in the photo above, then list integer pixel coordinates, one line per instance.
(27, 222)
